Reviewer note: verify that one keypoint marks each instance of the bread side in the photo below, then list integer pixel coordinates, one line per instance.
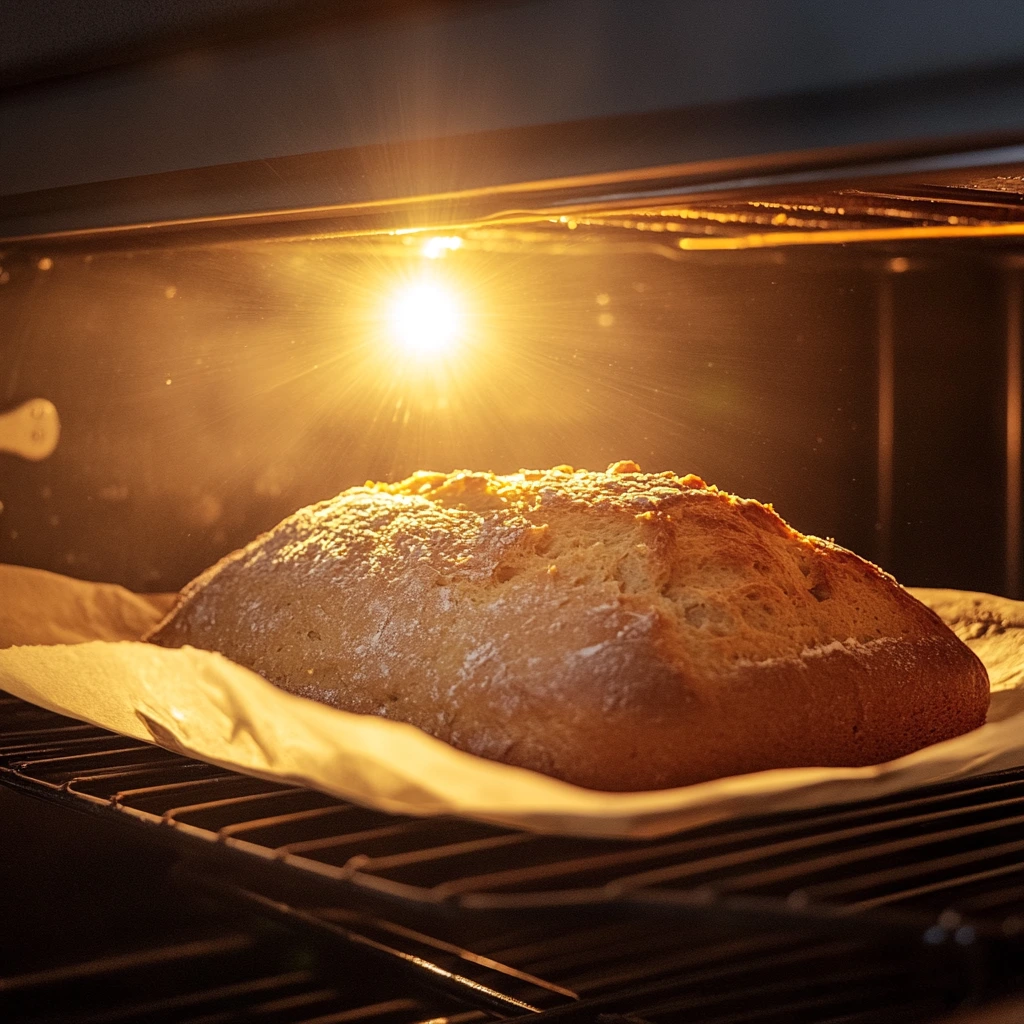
(619, 630)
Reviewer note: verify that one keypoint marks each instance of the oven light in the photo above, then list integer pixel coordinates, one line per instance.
(440, 245)
(425, 319)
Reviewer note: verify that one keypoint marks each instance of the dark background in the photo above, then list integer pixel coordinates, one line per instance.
(205, 393)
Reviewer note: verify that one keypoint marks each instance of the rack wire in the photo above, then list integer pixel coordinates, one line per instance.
(225, 976)
(949, 856)
(236, 976)
(840, 913)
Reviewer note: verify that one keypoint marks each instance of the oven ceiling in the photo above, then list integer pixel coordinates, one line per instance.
(49, 39)
(326, 108)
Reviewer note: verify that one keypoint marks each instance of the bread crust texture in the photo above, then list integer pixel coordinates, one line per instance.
(618, 630)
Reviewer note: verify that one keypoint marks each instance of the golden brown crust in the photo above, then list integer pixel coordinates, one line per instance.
(619, 630)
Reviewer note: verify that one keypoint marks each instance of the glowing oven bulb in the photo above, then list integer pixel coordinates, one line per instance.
(425, 319)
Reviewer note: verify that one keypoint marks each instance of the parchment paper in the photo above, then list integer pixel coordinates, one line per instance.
(81, 661)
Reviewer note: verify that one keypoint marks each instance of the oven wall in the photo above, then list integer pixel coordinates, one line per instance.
(205, 393)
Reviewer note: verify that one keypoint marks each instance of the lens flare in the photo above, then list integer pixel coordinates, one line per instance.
(425, 320)
(439, 246)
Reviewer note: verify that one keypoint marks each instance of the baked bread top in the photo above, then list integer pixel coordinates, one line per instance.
(621, 630)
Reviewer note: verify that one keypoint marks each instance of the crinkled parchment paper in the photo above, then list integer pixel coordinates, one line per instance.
(81, 661)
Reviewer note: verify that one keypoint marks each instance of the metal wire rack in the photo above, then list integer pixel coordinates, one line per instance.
(846, 913)
(236, 976)
(949, 856)
(225, 976)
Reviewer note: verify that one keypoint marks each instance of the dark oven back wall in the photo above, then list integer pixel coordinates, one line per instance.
(205, 393)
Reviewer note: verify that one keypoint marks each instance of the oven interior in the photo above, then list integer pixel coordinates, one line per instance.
(800, 279)
(848, 351)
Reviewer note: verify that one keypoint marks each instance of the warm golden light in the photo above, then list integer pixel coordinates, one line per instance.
(426, 319)
(441, 245)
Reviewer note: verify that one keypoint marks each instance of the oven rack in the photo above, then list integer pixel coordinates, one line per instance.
(508, 946)
(707, 977)
(950, 857)
(232, 978)
(225, 976)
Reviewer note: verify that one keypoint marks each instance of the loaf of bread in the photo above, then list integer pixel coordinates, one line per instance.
(619, 630)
